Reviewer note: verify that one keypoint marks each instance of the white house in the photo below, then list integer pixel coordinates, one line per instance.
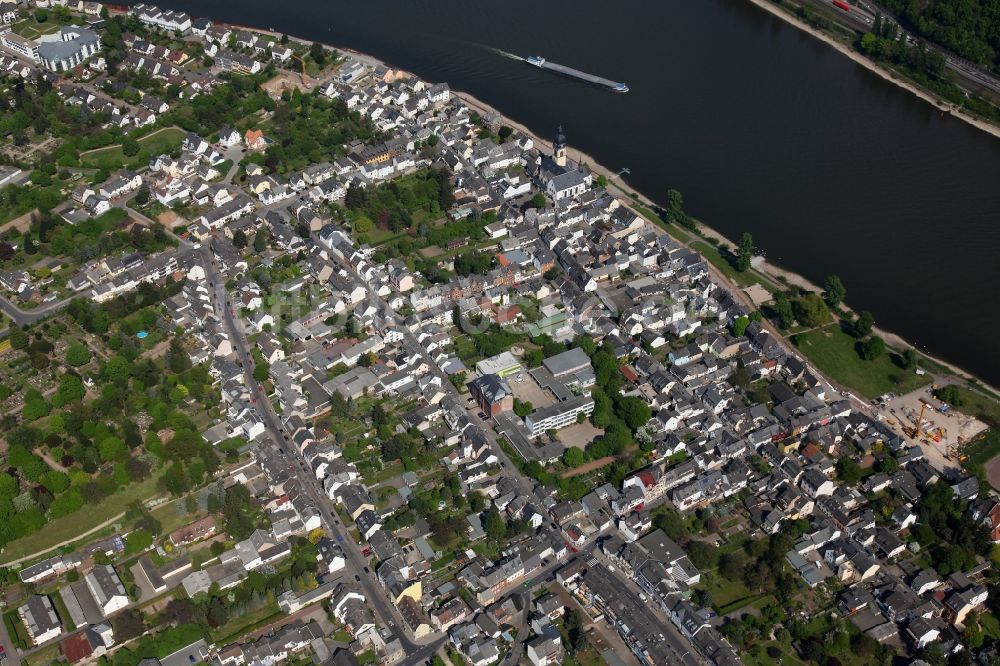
(107, 588)
(40, 619)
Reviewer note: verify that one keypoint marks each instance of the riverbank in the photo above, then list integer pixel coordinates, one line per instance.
(630, 196)
(878, 68)
(769, 269)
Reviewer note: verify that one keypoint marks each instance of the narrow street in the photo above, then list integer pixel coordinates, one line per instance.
(417, 651)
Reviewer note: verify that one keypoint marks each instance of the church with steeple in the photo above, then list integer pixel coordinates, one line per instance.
(559, 147)
(557, 176)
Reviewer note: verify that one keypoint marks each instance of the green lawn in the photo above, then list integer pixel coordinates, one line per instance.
(247, 622)
(672, 229)
(156, 143)
(725, 592)
(62, 611)
(757, 655)
(71, 526)
(18, 633)
(170, 518)
(976, 404)
(833, 352)
(745, 279)
(31, 28)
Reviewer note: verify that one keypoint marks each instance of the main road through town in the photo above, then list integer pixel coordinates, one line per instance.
(417, 651)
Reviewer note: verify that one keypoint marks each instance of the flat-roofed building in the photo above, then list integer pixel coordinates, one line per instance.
(503, 364)
(572, 367)
(559, 415)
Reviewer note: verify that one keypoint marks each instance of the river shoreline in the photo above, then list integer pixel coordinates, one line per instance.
(878, 69)
(626, 192)
(767, 268)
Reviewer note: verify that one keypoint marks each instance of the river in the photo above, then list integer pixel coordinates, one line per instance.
(763, 129)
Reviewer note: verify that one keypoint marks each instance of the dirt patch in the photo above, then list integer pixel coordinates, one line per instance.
(992, 468)
(171, 220)
(588, 467)
(578, 435)
(758, 294)
(941, 433)
(20, 223)
(285, 81)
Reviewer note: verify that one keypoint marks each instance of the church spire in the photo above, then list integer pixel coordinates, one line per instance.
(559, 147)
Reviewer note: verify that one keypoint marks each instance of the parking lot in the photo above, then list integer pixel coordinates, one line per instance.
(942, 434)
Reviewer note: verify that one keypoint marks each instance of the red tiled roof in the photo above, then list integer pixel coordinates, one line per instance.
(77, 648)
(647, 479)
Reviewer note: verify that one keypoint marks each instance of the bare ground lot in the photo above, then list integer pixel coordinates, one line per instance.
(993, 471)
(578, 435)
(940, 431)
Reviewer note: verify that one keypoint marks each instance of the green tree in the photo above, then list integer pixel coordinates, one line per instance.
(177, 359)
(130, 146)
(260, 372)
(811, 310)
(848, 471)
(634, 411)
(675, 206)
(744, 252)
(538, 200)
(909, 359)
(176, 480)
(55, 481)
(533, 358)
(783, 310)
(35, 406)
(239, 239)
(495, 526)
(740, 325)
(949, 394)
(143, 194)
(260, 241)
(872, 348)
(77, 354)
(834, 292)
(112, 448)
(19, 338)
(573, 623)
(573, 457)
(70, 389)
(864, 324)
(476, 501)
(318, 53)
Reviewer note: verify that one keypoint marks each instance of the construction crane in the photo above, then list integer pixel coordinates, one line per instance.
(305, 78)
(920, 422)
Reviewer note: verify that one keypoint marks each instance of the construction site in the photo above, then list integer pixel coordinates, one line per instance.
(288, 80)
(940, 431)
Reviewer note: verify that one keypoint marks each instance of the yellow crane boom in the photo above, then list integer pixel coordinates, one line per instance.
(305, 79)
(920, 421)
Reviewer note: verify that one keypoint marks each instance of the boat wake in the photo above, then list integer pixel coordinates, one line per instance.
(505, 54)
